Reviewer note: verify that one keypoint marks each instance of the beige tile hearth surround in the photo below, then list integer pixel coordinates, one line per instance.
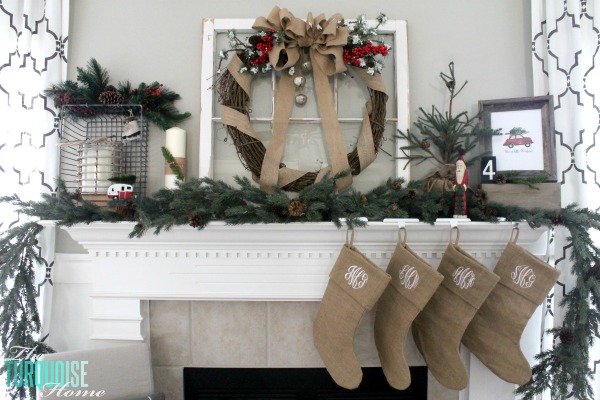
(249, 334)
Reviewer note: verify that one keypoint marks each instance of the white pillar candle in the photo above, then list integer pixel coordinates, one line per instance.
(175, 143)
(97, 166)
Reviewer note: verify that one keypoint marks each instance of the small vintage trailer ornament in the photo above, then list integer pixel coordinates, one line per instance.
(120, 191)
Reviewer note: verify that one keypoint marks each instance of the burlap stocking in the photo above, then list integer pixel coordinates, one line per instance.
(494, 334)
(355, 284)
(438, 329)
(412, 285)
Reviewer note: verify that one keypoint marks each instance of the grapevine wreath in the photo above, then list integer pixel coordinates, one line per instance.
(280, 44)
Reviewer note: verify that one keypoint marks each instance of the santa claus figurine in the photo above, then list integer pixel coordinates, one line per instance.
(459, 185)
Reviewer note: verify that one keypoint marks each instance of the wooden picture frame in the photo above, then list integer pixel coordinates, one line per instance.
(526, 144)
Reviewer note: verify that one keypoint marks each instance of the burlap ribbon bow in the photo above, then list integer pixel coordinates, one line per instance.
(325, 41)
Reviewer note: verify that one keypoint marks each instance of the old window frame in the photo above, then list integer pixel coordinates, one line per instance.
(213, 27)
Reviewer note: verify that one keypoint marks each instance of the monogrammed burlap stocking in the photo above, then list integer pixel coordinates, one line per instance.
(438, 329)
(412, 285)
(355, 284)
(494, 334)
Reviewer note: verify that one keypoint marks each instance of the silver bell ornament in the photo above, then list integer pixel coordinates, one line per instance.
(299, 81)
(300, 99)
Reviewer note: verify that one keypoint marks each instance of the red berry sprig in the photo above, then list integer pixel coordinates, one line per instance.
(153, 90)
(352, 56)
(264, 46)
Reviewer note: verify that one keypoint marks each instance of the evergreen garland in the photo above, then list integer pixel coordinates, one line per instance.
(19, 317)
(564, 370)
(92, 87)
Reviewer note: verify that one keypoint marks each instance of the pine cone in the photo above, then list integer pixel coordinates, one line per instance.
(412, 195)
(558, 219)
(425, 144)
(126, 210)
(195, 220)
(254, 39)
(69, 98)
(394, 207)
(111, 97)
(490, 212)
(363, 200)
(500, 178)
(566, 336)
(296, 208)
(481, 197)
(398, 185)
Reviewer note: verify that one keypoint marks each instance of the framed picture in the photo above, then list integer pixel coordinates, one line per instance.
(526, 142)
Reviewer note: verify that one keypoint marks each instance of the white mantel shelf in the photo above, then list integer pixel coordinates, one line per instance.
(262, 262)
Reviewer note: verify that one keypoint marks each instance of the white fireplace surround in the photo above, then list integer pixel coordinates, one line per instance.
(268, 262)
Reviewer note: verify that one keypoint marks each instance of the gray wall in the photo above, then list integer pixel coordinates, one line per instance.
(146, 40)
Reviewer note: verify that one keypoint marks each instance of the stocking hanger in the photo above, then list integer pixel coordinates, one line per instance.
(350, 230)
(454, 231)
(514, 234)
(402, 235)
(401, 226)
(350, 236)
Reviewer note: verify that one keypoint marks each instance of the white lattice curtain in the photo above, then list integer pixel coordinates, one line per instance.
(565, 50)
(33, 41)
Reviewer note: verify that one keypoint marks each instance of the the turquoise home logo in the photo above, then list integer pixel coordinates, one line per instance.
(57, 378)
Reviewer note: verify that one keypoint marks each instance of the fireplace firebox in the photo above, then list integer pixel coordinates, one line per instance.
(294, 383)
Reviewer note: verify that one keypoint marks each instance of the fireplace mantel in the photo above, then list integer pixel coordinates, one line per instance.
(263, 262)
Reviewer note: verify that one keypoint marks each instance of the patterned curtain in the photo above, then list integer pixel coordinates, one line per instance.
(33, 41)
(566, 37)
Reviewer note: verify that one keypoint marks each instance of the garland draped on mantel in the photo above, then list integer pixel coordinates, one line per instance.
(564, 369)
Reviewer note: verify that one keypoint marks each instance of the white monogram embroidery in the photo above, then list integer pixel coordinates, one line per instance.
(523, 276)
(409, 277)
(356, 277)
(463, 277)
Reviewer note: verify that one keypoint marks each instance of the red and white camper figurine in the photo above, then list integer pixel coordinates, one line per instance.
(120, 191)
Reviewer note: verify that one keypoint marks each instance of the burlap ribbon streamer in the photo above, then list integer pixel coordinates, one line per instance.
(325, 41)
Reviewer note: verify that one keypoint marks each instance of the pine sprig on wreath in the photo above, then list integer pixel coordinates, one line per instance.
(364, 48)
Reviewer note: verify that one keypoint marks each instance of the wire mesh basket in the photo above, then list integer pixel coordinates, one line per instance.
(99, 142)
